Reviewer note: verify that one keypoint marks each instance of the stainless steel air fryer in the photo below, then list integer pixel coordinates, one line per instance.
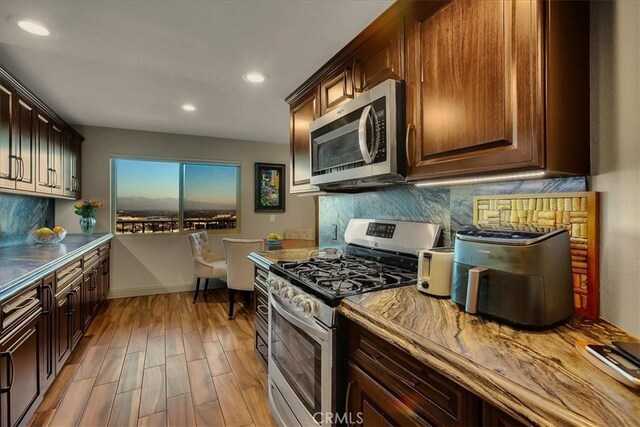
(521, 278)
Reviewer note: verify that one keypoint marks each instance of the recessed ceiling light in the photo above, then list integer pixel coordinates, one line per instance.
(254, 77)
(189, 107)
(33, 27)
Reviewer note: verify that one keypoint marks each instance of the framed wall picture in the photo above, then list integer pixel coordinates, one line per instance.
(269, 191)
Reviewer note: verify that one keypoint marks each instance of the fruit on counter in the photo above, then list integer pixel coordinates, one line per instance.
(58, 229)
(274, 236)
(44, 233)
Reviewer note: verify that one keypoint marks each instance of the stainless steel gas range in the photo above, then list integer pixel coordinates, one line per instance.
(303, 323)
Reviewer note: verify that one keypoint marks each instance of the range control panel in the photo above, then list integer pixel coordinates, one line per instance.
(379, 229)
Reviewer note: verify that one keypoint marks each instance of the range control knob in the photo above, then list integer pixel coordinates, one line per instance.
(296, 302)
(287, 293)
(307, 306)
(275, 285)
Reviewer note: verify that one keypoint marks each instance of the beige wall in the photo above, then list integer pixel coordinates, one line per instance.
(152, 264)
(615, 139)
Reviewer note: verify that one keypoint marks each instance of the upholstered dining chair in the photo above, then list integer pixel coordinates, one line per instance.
(299, 233)
(206, 263)
(239, 268)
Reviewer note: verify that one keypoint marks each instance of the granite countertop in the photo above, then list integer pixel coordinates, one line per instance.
(23, 264)
(266, 258)
(536, 375)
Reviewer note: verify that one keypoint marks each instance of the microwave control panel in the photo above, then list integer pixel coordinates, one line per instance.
(379, 229)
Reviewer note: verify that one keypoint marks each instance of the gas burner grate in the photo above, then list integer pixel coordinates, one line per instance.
(347, 275)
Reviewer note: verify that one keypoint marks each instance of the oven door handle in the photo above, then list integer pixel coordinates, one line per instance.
(316, 332)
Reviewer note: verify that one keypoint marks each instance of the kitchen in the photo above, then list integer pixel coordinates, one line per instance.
(345, 167)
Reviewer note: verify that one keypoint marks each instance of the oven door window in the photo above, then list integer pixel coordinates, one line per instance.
(298, 357)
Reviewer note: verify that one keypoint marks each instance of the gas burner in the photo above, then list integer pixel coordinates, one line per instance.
(347, 275)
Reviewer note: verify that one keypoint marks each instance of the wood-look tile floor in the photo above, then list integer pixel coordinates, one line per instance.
(161, 360)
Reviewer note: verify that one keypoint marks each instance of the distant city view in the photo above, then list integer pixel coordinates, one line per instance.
(148, 197)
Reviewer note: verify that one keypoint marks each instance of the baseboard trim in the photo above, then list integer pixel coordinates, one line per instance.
(160, 289)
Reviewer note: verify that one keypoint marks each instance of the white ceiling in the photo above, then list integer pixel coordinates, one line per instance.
(132, 64)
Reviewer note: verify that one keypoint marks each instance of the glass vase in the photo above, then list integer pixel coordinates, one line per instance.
(87, 225)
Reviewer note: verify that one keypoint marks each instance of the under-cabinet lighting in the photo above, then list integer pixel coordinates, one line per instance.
(480, 179)
(189, 107)
(33, 27)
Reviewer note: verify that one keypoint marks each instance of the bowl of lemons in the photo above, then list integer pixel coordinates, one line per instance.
(274, 240)
(47, 236)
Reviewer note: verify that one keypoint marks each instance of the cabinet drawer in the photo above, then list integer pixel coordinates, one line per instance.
(91, 256)
(68, 273)
(20, 307)
(104, 250)
(436, 398)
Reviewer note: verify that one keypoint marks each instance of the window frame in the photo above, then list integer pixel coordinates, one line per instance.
(181, 162)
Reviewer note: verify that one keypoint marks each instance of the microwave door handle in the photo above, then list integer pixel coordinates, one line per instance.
(362, 134)
(473, 288)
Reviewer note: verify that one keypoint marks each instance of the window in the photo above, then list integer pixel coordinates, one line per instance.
(153, 196)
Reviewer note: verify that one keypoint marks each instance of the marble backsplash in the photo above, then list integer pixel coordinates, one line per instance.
(451, 207)
(20, 215)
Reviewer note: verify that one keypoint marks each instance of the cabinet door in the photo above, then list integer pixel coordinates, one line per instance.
(76, 166)
(104, 278)
(474, 89)
(494, 417)
(8, 162)
(44, 177)
(23, 142)
(48, 371)
(68, 164)
(56, 153)
(379, 59)
(64, 307)
(77, 318)
(20, 389)
(302, 114)
(336, 89)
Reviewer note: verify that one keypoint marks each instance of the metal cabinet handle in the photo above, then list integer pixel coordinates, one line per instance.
(12, 372)
(346, 401)
(11, 156)
(49, 176)
(71, 310)
(49, 299)
(21, 169)
(55, 178)
(473, 288)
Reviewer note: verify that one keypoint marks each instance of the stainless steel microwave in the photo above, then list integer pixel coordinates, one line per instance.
(362, 142)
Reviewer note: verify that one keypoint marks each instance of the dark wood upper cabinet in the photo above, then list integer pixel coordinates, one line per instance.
(33, 145)
(473, 85)
(492, 86)
(478, 88)
(337, 88)
(8, 163)
(44, 176)
(380, 58)
(57, 155)
(302, 114)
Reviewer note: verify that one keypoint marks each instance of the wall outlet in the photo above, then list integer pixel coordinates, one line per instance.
(272, 218)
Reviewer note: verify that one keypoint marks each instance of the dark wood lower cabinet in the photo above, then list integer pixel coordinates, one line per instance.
(388, 387)
(40, 327)
(20, 364)
(48, 330)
